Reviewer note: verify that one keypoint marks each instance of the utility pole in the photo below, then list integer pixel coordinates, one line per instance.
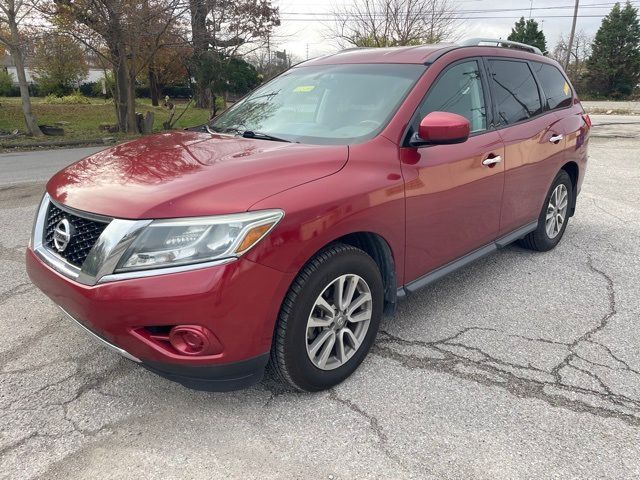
(573, 33)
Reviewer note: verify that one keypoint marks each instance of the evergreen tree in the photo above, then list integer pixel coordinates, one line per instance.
(614, 65)
(526, 31)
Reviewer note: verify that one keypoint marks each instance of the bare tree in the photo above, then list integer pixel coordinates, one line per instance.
(580, 52)
(123, 34)
(271, 64)
(12, 14)
(390, 23)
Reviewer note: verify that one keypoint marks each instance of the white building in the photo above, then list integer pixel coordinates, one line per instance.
(95, 74)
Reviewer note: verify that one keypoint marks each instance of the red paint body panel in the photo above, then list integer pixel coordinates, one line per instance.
(235, 301)
(417, 54)
(367, 195)
(532, 162)
(189, 174)
(575, 128)
(444, 127)
(453, 201)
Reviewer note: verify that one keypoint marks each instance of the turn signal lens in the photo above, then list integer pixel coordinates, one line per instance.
(253, 236)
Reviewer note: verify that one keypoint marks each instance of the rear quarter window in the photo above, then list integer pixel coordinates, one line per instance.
(514, 90)
(554, 84)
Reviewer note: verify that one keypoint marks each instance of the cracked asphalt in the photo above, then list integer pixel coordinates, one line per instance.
(523, 365)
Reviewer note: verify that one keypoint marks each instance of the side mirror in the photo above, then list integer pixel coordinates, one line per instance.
(441, 128)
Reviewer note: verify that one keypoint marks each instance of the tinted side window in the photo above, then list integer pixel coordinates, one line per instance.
(459, 90)
(555, 86)
(515, 91)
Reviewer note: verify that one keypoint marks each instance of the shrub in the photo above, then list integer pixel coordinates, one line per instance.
(221, 105)
(43, 88)
(177, 91)
(87, 89)
(6, 84)
(58, 63)
(76, 98)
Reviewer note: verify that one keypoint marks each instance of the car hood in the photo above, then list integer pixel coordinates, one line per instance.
(183, 173)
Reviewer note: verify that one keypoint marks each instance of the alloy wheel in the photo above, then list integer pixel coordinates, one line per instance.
(339, 321)
(557, 210)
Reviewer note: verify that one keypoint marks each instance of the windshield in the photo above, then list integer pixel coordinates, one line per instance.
(328, 104)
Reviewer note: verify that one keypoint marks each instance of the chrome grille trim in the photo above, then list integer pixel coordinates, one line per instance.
(87, 233)
(105, 253)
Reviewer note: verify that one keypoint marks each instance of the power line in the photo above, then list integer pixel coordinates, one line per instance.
(602, 5)
(450, 18)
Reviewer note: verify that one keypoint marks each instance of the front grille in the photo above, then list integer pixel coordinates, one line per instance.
(85, 233)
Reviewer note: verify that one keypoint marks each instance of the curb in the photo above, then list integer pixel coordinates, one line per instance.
(63, 143)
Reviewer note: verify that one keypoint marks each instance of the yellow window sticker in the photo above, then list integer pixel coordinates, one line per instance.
(566, 89)
(304, 88)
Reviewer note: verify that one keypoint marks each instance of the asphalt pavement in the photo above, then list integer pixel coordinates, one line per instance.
(522, 365)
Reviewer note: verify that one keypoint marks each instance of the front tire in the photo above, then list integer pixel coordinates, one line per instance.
(554, 216)
(328, 320)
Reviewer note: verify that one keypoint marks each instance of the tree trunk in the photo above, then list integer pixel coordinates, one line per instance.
(198, 10)
(131, 101)
(154, 90)
(202, 96)
(121, 92)
(16, 53)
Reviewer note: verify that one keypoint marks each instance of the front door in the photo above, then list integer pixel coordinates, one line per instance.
(453, 195)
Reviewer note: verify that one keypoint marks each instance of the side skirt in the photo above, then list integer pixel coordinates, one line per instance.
(465, 260)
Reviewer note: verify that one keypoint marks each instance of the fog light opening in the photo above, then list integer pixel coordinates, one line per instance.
(190, 340)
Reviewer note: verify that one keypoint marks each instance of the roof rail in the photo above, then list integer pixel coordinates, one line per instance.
(475, 42)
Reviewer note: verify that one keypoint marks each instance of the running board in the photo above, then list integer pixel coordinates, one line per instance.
(471, 257)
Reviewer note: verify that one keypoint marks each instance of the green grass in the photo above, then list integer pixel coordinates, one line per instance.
(83, 120)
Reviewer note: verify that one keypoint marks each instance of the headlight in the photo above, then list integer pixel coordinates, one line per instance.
(169, 243)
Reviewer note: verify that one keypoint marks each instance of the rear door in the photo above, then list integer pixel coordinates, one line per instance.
(571, 123)
(452, 198)
(534, 145)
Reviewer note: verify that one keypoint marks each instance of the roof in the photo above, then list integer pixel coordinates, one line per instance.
(424, 54)
(417, 54)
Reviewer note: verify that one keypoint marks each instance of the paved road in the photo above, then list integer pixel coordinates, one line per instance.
(603, 106)
(522, 365)
(39, 165)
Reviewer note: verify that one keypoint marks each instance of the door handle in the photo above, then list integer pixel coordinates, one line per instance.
(491, 161)
(556, 138)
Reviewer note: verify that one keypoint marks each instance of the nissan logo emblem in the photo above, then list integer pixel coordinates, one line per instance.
(62, 235)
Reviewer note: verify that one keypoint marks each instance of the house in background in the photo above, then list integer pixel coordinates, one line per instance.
(94, 75)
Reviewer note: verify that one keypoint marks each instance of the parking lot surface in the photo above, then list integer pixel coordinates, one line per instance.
(522, 365)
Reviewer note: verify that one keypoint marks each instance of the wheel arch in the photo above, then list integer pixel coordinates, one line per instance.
(378, 249)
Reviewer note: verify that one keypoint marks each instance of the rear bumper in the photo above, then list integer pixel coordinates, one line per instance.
(238, 302)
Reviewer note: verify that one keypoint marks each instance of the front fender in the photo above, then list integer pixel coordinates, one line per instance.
(367, 195)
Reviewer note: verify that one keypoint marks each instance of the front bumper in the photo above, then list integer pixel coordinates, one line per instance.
(237, 301)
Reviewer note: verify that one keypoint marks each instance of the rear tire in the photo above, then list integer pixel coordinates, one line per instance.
(312, 349)
(554, 216)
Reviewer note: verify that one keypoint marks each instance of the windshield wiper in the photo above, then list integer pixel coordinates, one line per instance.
(263, 136)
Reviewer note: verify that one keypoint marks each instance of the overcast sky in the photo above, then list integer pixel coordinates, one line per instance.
(304, 21)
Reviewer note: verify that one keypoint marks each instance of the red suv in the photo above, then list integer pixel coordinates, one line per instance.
(283, 231)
